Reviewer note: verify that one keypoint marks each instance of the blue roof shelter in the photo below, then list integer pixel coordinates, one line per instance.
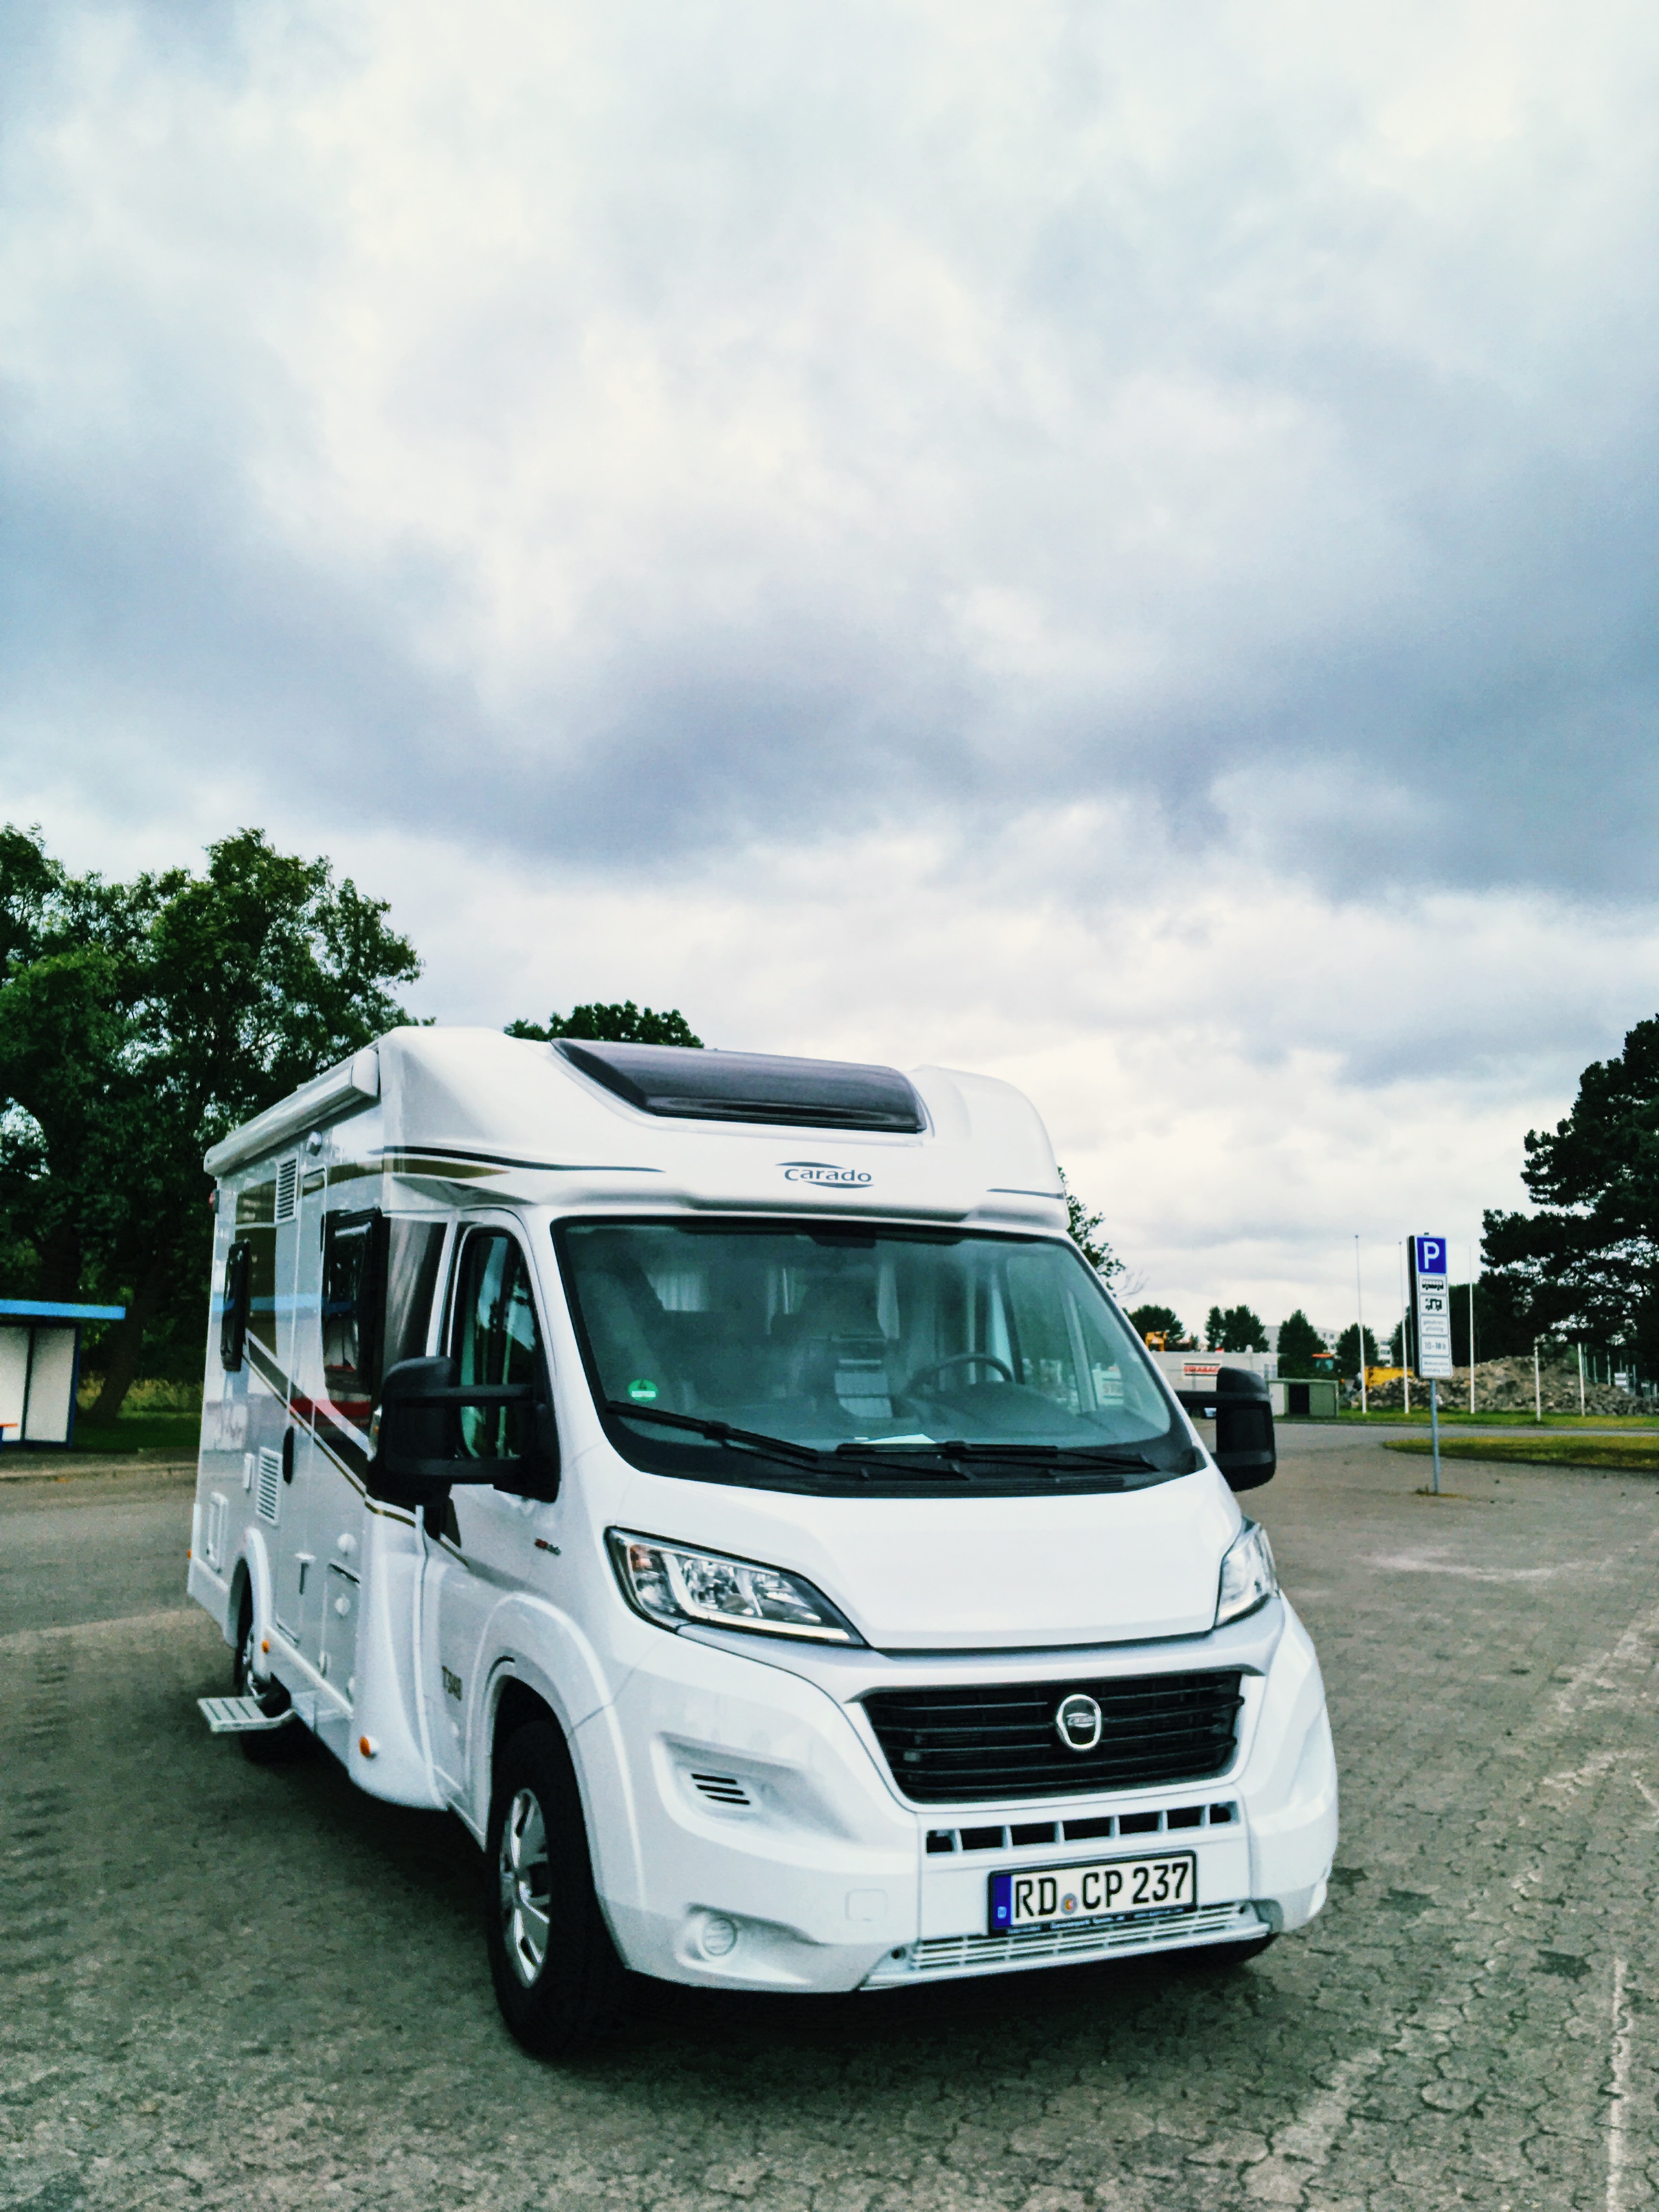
(41, 1366)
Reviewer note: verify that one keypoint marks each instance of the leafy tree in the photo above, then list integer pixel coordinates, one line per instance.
(600, 1024)
(1348, 1349)
(1504, 1326)
(1160, 1320)
(1082, 1225)
(140, 1023)
(1237, 1329)
(1299, 1345)
(1587, 1261)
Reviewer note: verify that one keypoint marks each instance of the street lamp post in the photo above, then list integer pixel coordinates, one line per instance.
(1360, 1308)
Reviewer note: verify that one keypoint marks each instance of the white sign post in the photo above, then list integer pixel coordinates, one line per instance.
(1431, 1305)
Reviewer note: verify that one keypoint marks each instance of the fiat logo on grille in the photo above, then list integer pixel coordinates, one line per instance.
(1077, 1722)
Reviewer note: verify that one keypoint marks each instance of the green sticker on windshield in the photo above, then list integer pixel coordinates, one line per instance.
(644, 1392)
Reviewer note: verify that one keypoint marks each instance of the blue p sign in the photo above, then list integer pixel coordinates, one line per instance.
(1431, 1255)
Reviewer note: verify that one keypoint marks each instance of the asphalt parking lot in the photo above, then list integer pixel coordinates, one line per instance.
(227, 1985)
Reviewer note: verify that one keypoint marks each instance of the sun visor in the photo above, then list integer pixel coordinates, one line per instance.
(679, 1083)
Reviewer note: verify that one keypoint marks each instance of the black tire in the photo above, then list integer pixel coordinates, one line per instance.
(559, 1980)
(263, 1746)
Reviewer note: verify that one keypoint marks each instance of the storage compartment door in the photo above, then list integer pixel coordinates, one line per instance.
(341, 1597)
(51, 1387)
(13, 1381)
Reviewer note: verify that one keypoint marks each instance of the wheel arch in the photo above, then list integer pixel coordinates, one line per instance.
(249, 1577)
(517, 1704)
(241, 1593)
(535, 1652)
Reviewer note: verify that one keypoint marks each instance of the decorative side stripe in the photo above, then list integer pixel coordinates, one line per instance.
(507, 1160)
(335, 1441)
(446, 1164)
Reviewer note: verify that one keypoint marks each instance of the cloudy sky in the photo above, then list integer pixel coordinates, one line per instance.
(1108, 544)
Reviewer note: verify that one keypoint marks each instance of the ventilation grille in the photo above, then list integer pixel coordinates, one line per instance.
(721, 1789)
(969, 1744)
(287, 1189)
(268, 1486)
(1022, 1834)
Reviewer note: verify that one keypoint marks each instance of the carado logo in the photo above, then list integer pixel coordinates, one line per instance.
(821, 1171)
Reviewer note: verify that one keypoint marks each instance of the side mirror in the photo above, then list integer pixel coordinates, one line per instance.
(1242, 1410)
(418, 1447)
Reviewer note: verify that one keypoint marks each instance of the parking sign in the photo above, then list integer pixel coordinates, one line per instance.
(1432, 1300)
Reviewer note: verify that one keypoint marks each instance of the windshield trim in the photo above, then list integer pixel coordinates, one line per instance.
(981, 1472)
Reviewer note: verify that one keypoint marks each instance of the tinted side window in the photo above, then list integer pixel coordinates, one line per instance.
(354, 1246)
(494, 1341)
(233, 1316)
(414, 1248)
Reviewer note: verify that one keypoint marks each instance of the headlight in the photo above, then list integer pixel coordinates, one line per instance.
(674, 1586)
(1247, 1578)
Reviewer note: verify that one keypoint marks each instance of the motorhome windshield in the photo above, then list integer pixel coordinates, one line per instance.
(933, 1359)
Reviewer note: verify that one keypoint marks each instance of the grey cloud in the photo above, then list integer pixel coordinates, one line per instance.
(1331, 518)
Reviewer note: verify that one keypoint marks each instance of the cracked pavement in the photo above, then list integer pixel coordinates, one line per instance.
(223, 1985)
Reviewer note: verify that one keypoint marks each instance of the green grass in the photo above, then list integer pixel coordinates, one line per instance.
(172, 1433)
(1630, 1454)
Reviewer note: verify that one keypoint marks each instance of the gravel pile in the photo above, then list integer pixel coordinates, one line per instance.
(1505, 1386)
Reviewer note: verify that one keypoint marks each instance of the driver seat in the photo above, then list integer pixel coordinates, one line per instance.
(836, 1349)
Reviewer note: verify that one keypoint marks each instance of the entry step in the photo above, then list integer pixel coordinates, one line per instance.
(239, 1715)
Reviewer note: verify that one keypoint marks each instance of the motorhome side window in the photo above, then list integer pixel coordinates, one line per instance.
(353, 1268)
(232, 1317)
(494, 1341)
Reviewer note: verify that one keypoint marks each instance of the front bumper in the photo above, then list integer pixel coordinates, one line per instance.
(748, 1834)
(949, 1958)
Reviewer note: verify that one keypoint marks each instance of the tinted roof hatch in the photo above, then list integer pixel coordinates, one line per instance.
(684, 1084)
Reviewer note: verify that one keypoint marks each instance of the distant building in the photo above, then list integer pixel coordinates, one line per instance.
(1194, 1371)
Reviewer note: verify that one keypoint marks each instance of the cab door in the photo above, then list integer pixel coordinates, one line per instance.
(479, 1547)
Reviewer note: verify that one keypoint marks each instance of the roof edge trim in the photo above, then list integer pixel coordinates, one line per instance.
(354, 1084)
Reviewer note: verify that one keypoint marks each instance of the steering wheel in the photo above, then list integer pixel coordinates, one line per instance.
(924, 1375)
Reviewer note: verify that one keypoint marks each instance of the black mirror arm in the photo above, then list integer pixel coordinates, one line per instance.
(470, 1393)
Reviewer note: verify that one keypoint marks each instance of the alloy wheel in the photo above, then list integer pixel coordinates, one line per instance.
(526, 1886)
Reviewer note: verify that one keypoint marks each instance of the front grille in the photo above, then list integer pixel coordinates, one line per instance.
(1096, 1826)
(965, 1746)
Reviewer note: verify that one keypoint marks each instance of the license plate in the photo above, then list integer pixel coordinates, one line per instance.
(1103, 1889)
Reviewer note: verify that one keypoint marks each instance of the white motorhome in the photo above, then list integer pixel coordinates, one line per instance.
(719, 1480)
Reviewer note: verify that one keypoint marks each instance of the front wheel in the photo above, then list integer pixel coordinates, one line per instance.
(559, 1980)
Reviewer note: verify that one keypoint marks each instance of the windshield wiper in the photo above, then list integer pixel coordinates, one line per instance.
(719, 1432)
(1055, 1456)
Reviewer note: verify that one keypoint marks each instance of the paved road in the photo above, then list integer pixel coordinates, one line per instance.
(225, 1986)
(80, 1549)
